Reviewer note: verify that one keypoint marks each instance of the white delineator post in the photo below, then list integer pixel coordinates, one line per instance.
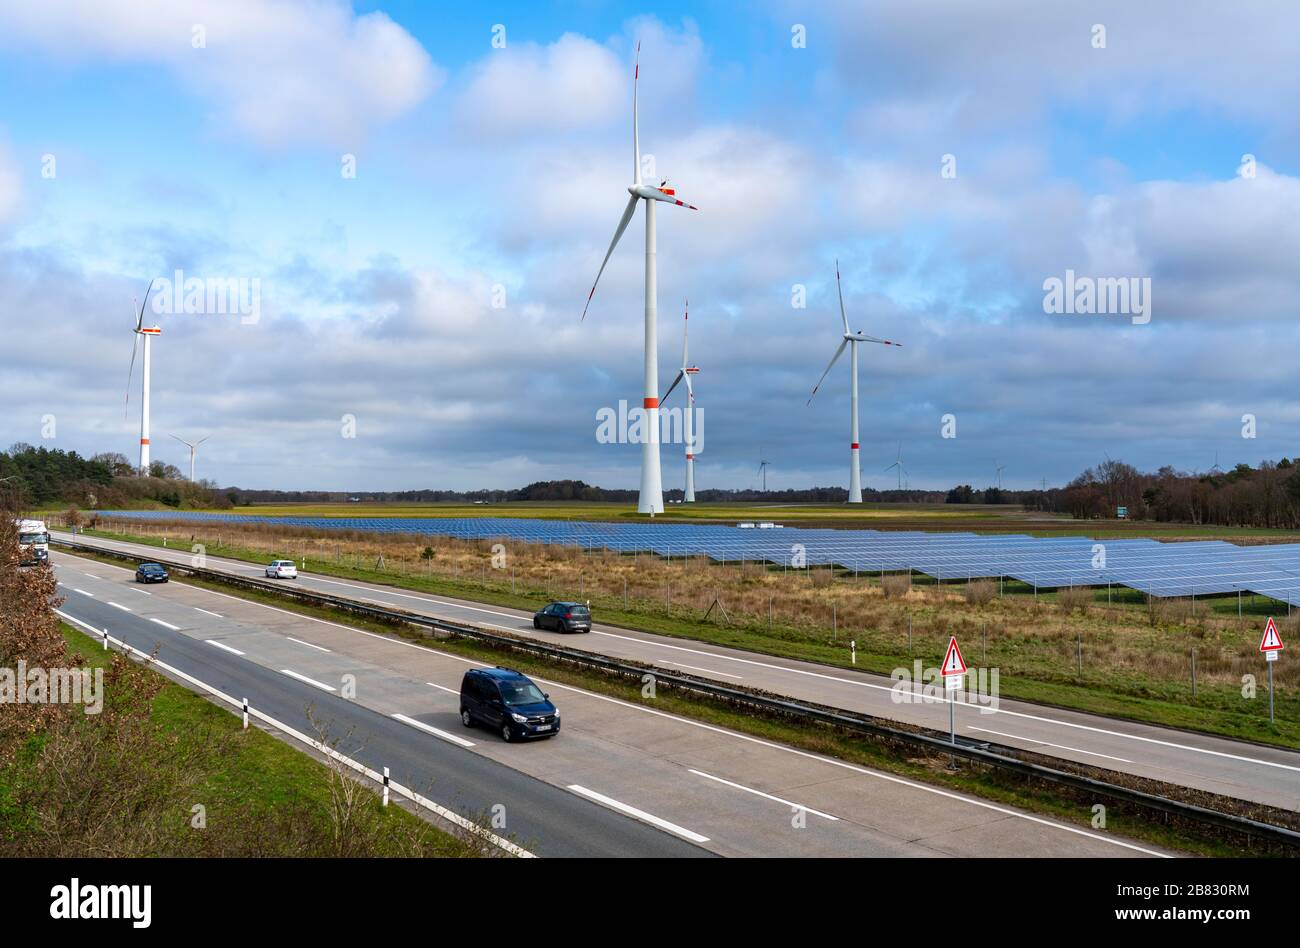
(855, 469)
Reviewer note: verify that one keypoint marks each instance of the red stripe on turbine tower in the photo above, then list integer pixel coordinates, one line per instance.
(652, 403)
(144, 440)
(854, 445)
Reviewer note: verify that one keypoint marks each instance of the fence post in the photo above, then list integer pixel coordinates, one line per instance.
(385, 786)
(245, 714)
(1193, 673)
(1080, 652)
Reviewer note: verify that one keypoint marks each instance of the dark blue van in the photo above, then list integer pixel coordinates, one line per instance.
(508, 702)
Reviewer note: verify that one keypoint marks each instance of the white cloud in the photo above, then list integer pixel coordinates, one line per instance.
(10, 188)
(283, 73)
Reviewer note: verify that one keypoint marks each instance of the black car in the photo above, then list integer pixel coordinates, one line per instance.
(508, 702)
(563, 617)
(150, 573)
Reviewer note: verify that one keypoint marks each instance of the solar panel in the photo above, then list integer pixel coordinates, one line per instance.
(1196, 568)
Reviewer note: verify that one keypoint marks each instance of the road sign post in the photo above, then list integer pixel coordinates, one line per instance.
(1271, 644)
(952, 669)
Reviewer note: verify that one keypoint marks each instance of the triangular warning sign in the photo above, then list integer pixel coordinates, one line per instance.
(1272, 642)
(953, 663)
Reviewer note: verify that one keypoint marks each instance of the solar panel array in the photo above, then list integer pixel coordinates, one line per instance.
(1198, 568)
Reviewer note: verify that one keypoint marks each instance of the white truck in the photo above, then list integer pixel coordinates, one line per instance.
(34, 538)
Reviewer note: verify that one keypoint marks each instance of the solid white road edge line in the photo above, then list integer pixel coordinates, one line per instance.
(767, 796)
(641, 815)
(450, 816)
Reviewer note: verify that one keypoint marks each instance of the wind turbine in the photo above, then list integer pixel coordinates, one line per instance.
(685, 372)
(193, 448)
(147, 332)
(851, 340)
(651, 498)
(898, 463)
(762, 470)
(1000, 469)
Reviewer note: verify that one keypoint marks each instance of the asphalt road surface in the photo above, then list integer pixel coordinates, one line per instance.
(1220, 765)
(620, 779)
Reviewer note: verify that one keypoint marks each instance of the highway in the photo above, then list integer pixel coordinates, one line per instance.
(621, 779)
(1220, 765)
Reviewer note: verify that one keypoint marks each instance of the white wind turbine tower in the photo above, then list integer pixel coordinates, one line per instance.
(193, 449)
(851, 340)
(651, 499)
(147, 333)
(688, 430)
(898, 463)
(762, 469)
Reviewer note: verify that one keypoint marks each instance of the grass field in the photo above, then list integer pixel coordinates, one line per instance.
(1075, 649)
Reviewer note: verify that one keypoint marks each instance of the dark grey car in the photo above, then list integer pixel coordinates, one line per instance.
(563, 617)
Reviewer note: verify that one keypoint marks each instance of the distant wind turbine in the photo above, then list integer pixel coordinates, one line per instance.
(898, 463)
(1001, 468)
(688, 430)
(193, 449)
(147, 333)
(762, 470)
(651, 497)
(850, 340)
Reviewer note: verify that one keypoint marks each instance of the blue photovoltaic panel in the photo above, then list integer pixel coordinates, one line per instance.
(1198, 568)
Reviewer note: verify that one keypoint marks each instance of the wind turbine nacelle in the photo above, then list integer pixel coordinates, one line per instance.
(150, 330)
(692, 369)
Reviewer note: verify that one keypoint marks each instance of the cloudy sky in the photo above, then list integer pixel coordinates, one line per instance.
(423, 199)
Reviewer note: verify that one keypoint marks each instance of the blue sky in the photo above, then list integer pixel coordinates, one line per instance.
(480, 167)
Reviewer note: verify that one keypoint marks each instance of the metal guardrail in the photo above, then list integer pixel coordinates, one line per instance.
(999, 756)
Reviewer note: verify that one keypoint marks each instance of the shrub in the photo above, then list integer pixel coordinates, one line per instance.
(1075, 597)
(896, 585)
(979, 592)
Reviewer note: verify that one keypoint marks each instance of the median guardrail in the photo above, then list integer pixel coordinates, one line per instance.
(998, 756)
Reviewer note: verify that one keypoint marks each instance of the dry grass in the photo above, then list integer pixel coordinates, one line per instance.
(783, 609)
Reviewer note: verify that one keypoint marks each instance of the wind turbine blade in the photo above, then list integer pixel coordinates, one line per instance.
(690, 390)
(668, 197)
(622, 226)
(139, 321)
(840, 290)
(862, 337)
(838, 352)
(680, 375)
(636, 130)
(135, 347)
(686, 330)
(201, 440)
